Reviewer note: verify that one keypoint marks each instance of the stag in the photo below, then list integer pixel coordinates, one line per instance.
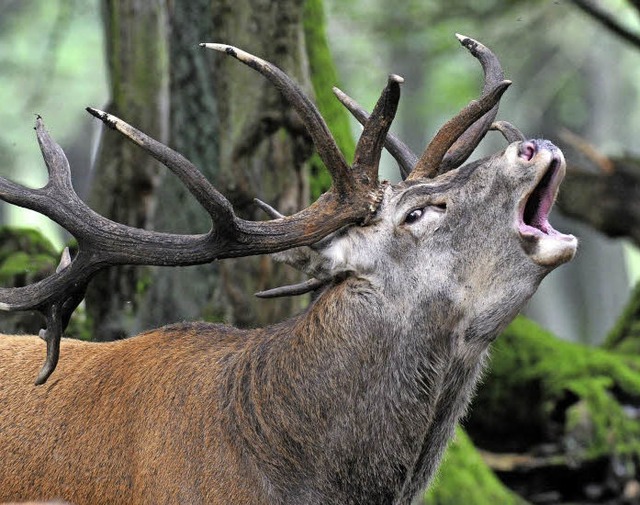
(351, 401)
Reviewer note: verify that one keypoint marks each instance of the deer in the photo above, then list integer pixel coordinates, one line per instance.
(353, 400)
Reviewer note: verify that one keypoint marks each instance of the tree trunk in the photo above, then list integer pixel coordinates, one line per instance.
(230, 122)
(174, 294)
(126, 179)
(263, 148)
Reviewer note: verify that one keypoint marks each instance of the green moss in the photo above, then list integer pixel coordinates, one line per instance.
(323, 77)
(144, 281)
(80, 325)
(540, 385)
(23, 264)
(27, 240)
(26, 256)
(465, 478)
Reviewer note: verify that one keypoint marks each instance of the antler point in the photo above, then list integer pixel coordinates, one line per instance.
(216, 46)
(338, 92)
(465, 40)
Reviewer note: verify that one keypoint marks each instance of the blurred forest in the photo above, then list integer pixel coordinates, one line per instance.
(576, 82)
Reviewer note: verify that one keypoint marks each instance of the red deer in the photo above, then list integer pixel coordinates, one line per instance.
(351, 401)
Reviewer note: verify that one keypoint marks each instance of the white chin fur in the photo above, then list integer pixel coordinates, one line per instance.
(551, 251)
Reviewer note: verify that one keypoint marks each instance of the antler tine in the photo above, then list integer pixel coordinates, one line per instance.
(325, 143)
(509, 132)
(429, 163)
(403, 155)
(268, 209)
(59, 180)
(374, 133)
(493, 75)
(211, 200)
(246, 237)
(292, 289)
(457, 139)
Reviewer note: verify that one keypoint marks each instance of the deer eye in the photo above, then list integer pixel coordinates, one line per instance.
(413, 216)
(416, 214)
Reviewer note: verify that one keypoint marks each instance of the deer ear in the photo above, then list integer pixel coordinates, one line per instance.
(304, 259)
(313, 261)
(323, 260)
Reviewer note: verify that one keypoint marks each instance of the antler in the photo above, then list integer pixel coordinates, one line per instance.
(509, 132)
(397, 148)
(353, 197)
(457, 139)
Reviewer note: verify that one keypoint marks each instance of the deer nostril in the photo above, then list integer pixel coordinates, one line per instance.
(527, 150)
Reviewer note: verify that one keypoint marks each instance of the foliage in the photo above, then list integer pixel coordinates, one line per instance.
(465, 478)
(26, 256)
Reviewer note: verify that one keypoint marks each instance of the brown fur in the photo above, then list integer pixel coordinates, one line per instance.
(116, 403)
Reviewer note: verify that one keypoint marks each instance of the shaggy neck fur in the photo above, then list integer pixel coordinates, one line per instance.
(344, 410)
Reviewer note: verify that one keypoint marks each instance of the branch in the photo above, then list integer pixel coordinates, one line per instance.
(607, 20)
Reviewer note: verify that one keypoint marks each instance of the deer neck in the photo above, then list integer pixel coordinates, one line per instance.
(376, 395)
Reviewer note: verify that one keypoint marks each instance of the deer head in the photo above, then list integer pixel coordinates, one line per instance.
(476, 238)
(414, 280)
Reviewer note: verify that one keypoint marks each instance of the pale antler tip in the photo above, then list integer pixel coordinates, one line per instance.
(226, 48)
(393, 78)
(239, 54)
(461, 37)
(5, 306)
(215, 46)
(65, 260)
(108, 119)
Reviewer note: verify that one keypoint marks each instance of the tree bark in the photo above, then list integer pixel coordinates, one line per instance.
(263, 146)
(126, 179)
(609, 202)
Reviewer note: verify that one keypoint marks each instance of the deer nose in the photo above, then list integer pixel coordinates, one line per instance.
(527, 150)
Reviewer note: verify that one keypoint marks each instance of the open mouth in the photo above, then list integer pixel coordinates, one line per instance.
(534, 216)
(544, 244)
